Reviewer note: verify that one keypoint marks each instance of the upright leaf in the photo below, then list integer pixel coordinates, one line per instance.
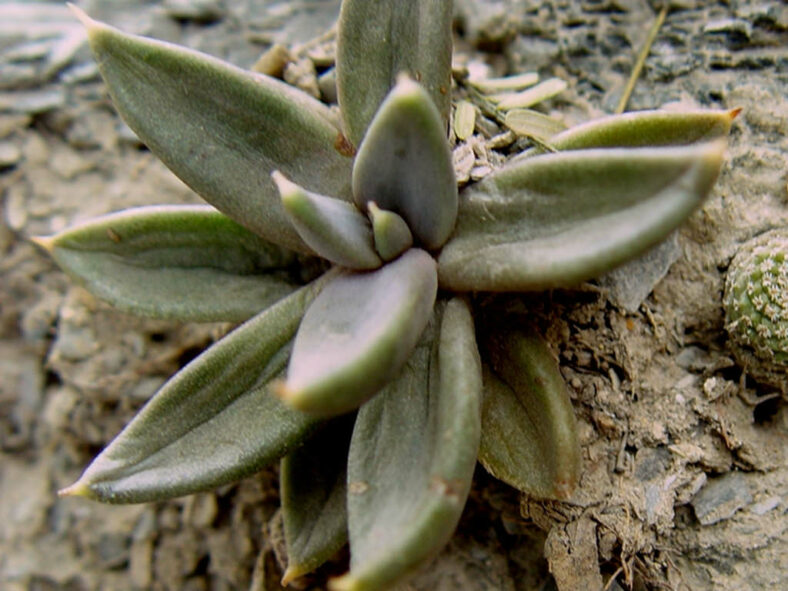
(558, 219)
(214, 422)
(313, 484)
(404, 165)
(529, 438)
(334, 229)
(380, 39)
(358, 333)
(412, 456)
(187, 262)
(220, 129)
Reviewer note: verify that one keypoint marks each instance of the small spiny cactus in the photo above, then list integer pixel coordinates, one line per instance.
(756, 307)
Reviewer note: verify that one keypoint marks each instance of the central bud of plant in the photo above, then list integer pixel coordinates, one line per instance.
(364, 325)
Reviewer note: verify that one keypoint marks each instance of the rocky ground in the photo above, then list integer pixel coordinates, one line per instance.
(685, 479)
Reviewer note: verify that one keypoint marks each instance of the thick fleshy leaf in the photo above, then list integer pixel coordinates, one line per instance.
(357, 334)
(391, 233)
(186, 262)
(222, 130)
(529, 437)
(404, 165)
(647, 128)
(214, 422)
(313, 484)
(334, 229)
(381, 39)
(412, 456)
(558, 219)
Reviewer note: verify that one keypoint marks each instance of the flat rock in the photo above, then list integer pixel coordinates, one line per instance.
(721, 498)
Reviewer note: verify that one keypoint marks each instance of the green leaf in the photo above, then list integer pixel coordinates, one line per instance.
(529, 436)
(391, 232)
(334, 229)
(214, 422)
(412, 456)
(186, 262)
(313, 484)
(358, 333)
(380, 39)
(220, 129)
(558, 219)
(404, 165)
(647, 128)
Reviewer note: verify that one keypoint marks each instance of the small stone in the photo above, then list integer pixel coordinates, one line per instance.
(327, 82)
(16, 207)
(68, 164)
(10, 155)
(721, 498)
(200, 11)
(273, 61)
(302, 75)
(32, 102)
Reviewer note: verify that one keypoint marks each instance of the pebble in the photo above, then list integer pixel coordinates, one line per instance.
(32, 102)
(721, 498)
(201, 11)
(10, 155)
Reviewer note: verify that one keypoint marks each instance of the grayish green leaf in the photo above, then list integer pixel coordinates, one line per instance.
(220, 129)
(413, 454)
(391, 232)
(529, 436)
(313, 484)
(558, 219)
(404, 165)
(214, 422)
(380, 39)
(647, 129)
(186, 262)
(357, 334)
(334, 229)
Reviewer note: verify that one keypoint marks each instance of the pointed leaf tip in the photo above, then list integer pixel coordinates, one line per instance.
(46, 243)
(78, 489)
(83, 17)
(334, 229)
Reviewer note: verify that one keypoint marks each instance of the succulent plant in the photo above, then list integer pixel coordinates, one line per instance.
(378, 376)
(756, 307)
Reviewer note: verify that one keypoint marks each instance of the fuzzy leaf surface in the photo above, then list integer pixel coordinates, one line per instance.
(358, 333)
(558, 219)
(214, 422)
(391, 233)
(529, 437)
(413, 454)
(222, 130)
(404, 165)
(334, 229)
(186, 262)
(380, 39)
(647, 128)
(313, 485)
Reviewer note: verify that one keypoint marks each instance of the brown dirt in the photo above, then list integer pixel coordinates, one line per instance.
(685, 479)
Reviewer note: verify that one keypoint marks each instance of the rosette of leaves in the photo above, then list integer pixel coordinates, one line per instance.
(381, 381)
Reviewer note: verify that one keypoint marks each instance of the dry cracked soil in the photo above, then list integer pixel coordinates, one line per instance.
(684, 483)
